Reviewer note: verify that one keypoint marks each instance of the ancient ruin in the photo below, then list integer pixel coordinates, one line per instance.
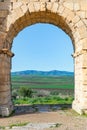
(69, 15)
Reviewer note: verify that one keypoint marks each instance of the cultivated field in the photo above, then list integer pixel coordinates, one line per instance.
(43, 82)
(42, 89)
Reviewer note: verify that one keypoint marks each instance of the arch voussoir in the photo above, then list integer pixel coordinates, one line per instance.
(31, 7)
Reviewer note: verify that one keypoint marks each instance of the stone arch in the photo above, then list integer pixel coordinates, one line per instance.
(24, 14)
(41, 12)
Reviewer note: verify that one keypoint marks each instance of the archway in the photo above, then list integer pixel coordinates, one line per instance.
(55, 13)
(42, 47)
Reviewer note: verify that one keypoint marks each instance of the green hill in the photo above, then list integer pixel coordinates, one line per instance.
(43, 73)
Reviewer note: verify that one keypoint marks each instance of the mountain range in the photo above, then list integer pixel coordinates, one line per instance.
(43, 73)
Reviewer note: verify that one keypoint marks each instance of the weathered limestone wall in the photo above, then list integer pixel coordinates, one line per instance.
(69, 15)
(5, 82)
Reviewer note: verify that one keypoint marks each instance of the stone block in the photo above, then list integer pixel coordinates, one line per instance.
(43, 6)
(37, 6)
(83, 5)
(31, 7)
(82, 14)
(5, 100)
(69, 18)
(33, 0)
(54, 7)
(4, 111)
(84, 43)
(76, 19)
(4, 87)
(49, 6)
(76, 6)
(68, 5)
(60, 9)
(5, 5)
(3, 13)
(24, 9)
(16, 5)
(86, 15)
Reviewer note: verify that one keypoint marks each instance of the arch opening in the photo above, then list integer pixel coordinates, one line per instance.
(43, 39)
(42, 46)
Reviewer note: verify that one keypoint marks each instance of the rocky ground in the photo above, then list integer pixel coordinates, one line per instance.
(54, 120)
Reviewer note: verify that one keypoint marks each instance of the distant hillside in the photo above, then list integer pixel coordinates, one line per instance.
(44, 73)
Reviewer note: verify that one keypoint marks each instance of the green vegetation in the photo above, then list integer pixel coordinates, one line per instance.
(25, 92)
(18, 124)
(32, 89)
(56, 125)
(2, 127)
(44, 100)
(62, 82)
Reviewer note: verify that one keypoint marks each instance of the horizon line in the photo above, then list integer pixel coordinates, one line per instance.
(42, 70)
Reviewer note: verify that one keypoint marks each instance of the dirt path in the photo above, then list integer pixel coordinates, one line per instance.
(68, 119)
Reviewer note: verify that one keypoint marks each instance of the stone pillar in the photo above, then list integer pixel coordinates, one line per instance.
(6, 106)
(80, 101)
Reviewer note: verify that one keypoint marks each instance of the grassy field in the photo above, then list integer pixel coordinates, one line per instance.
(44, 100)
(63, 82)
(45, 90)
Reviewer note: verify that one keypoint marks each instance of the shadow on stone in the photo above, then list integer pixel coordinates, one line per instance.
(39, 108)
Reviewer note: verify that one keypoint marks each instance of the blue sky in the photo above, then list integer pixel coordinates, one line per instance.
(42, 47)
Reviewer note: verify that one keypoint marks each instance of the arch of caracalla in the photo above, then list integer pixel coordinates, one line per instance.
(69, 15)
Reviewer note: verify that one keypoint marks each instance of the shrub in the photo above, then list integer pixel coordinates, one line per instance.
(25, 92)
(55, 92)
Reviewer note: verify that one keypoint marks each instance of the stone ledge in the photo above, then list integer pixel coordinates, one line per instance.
(6, 51)
(79, 53)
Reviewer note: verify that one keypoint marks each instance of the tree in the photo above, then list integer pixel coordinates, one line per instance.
(25, 92)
